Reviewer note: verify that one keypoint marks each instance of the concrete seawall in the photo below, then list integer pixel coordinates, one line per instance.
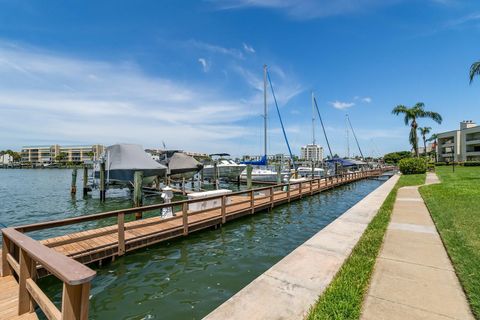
(290, 287)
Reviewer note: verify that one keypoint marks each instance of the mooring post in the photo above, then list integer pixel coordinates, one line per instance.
(313, 169)
(137, 192)
(102, 181)
(73, 188)
(85, 180)
(183, 186)
(249, 176)
(215, 174)
(279, 173)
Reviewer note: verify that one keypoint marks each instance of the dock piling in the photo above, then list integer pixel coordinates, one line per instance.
(137, 192)
(279, 173)
(85, 180)
(215, 174)
(102, 181)
(249, 176)
(73, 189)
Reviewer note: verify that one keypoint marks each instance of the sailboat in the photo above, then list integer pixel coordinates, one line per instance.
(265, 174)
(307, 171)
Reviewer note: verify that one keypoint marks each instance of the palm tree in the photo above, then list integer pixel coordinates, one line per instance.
(474, 70)
(424, 131)
(411, 116)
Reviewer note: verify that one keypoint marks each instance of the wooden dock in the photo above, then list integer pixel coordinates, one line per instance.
(29, 259)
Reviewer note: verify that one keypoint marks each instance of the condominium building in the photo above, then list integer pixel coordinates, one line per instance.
(311, 152)
(50, 154)
(459, 145)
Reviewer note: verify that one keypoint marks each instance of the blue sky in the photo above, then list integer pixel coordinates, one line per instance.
(189, 73)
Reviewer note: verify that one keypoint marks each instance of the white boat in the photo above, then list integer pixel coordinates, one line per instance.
(226, 168)
(263, 175)
(307, 172)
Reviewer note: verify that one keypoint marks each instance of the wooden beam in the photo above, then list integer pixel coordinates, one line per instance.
(75, 301)
(47, 306)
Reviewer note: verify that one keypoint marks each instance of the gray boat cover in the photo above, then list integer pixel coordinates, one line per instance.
(124, 159)
(180, 162)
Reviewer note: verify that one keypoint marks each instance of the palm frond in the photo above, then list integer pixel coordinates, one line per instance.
(474, 70)
(435, 116)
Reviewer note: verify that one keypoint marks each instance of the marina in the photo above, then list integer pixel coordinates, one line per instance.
(103, 243)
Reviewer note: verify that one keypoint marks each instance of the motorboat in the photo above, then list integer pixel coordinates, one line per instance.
(180, 165)
(226, 168)
(123, 160)
(263, 175)
(307, 172)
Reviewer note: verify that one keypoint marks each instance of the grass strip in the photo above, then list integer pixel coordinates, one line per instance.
(343, 298)
(454, 207)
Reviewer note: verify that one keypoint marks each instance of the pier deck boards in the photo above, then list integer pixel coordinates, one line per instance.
(9, 301)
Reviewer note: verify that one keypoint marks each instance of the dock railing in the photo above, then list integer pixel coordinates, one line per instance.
(21, 255)
(227, 204)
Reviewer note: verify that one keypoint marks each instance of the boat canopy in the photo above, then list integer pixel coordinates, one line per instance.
(180, 162)
(343, 162)
(124, 159)
(261, 162)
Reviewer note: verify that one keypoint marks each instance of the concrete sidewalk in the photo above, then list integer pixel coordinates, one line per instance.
(413, 276)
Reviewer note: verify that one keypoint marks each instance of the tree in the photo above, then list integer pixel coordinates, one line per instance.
(410, 117)
(474, 70)
(61, 157)
(395, 157)
(424, 131)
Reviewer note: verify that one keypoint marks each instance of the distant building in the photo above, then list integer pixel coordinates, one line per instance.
(311, 152)
(279, 157)
(430, 147)
(459, 145)
(49, 154)
(6, 159)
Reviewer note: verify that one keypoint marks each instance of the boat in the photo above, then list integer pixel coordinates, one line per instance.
(307, 172)
(123, 160)
(226, 168)
(261, 172)
(180, 165)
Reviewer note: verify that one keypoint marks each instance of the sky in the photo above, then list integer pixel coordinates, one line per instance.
(188, 74)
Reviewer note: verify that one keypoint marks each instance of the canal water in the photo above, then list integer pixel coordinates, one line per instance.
(184, 278)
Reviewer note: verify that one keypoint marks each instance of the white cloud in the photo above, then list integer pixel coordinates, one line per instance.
(212, 48)
(308, 9)
(205, 64)
(248, 48)
(46, 97)
(366, 99)
(342, 105)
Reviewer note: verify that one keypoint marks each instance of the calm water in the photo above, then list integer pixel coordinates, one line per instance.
(181, 279)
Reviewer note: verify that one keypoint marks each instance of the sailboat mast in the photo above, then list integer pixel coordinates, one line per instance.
(348, 138)
(313, 119)
(265, 109)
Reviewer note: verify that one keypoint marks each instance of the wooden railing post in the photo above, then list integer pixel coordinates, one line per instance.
(185, 218)
(121, 234)
(252, 201)
(224, 203)
(311, 187)
(25, 300)
(75, 301)
(6, 269)
(288, 192)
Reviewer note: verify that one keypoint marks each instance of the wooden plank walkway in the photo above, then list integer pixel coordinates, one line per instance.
(9, 301)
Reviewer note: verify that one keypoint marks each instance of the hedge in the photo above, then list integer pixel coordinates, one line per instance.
(412, 166)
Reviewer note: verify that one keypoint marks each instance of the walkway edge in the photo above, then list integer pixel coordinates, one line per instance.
(289, 288)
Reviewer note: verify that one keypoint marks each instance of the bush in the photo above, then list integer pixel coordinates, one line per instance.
(413, 166)
(471, 163)
(440, 163)
(395, 157)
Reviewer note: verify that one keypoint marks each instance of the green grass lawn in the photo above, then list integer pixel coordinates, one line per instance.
(455, 207)
(343, 298)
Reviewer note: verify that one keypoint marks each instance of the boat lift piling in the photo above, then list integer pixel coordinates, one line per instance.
(279, 173)
(73, 188)
(137, 192)
(102, 182)
(249, 176)
(85, 180)
(215, 175)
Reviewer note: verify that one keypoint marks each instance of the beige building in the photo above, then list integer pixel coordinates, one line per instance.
(460, 145)
(311, 152)
(49, 154)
